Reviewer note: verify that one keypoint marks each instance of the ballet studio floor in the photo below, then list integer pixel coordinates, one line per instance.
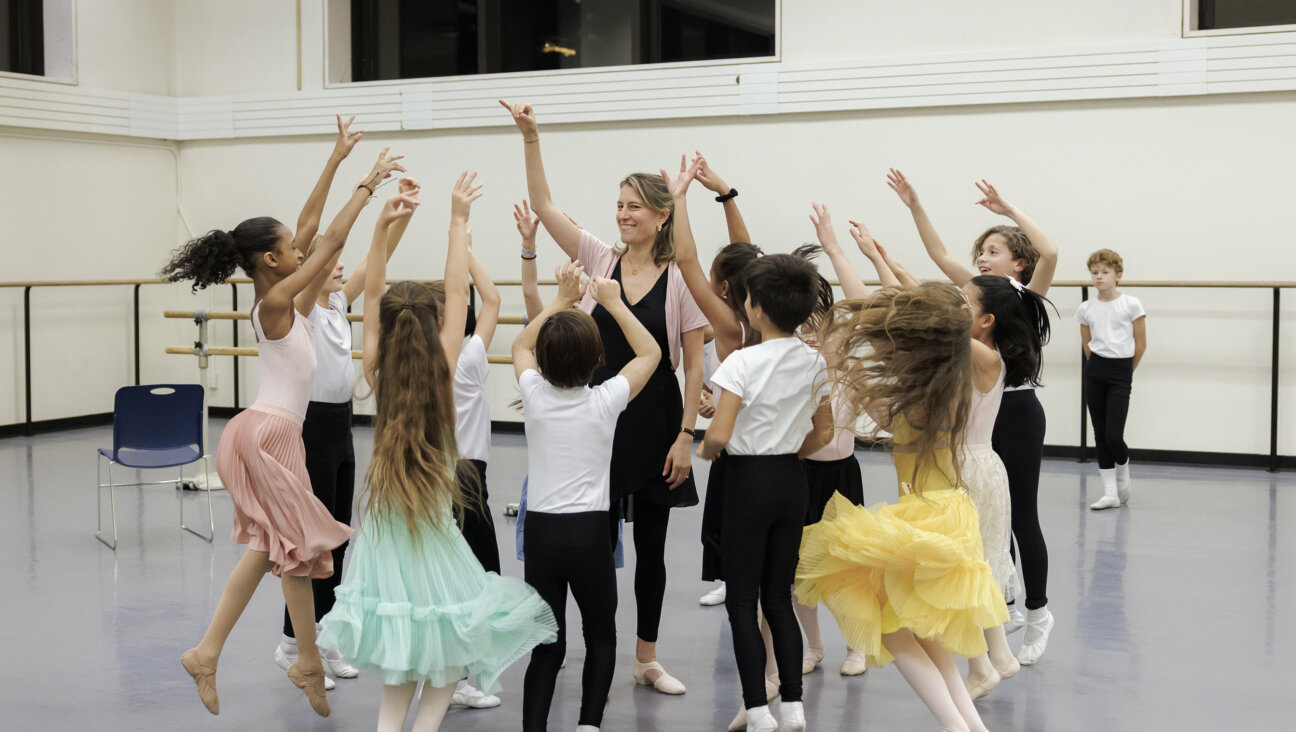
(1172, 614)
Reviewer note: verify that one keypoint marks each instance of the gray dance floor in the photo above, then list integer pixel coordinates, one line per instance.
(1167, 614)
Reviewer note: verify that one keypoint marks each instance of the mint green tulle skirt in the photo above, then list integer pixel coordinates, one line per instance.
(427, 611)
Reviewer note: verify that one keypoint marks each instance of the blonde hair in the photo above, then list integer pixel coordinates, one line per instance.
(412, 474)
(1107, 257)
(651, 190)
(905, 353)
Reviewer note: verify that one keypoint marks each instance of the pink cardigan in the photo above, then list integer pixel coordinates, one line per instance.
(682, 313)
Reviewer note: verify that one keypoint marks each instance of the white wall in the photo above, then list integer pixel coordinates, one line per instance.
(128, 45)
(1187, 188)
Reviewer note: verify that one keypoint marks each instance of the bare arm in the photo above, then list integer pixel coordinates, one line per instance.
(902, 276)
(852, 286)
(1140, 340)
(821, 433)
(728, 331)
(679, 460)
(985, 366)
(733, 217)
(561, 228)
(309, 219)
(953, 269)
(869, 247)
(354, 286)
(570, 291)
(455, 315)
(488, 317)
(399, 207)
(721, 430)
(526, 225)
(1085, 337)
(1046, 267)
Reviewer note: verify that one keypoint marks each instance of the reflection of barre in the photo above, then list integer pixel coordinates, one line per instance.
(229, 315)
(246, 351)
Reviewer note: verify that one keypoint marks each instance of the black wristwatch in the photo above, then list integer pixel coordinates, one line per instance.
(733, 192)
(689, 432)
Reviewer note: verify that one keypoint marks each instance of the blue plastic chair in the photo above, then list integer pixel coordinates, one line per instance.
(154, 426)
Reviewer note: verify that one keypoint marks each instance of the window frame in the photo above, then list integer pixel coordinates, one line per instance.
(1190, 30)
(70, 79)
(330, 5)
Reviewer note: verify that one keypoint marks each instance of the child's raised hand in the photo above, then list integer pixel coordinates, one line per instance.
(399, 206)
(526, 223)
(571, 281)
(678, 186)
(347, 138)
(991, 199)
(524, 118)
(707, 177)
(382, 169)
(409, 185)
(898, 183)
(606, 292)
(865, 241)
(465, 192)
(822, 221)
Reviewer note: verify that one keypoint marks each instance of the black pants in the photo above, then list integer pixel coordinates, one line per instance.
(764, 507)
(650, 524)
(571, 550)
(330, 462)
(1107, 384)
(1019, 440)
(476, 523)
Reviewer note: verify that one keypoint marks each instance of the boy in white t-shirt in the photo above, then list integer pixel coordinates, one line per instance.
(766, 395)
(1113, 332)
(569, 429)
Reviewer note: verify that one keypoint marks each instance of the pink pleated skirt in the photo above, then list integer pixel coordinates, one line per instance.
(262, 462)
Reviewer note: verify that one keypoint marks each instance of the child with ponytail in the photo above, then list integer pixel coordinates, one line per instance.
(416, 605)
(261, 459)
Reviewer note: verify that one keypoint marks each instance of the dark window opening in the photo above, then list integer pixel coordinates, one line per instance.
(1219, 14)
(22, 37)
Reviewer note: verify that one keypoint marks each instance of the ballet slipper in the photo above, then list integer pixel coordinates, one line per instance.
(665, 683)
(978, 688)
(204, 677)
(1009, 669)
(811, 660)
(312, 683)
(856, 663)
(740, 720)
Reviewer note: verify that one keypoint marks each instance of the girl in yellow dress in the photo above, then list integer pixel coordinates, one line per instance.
(907, 582)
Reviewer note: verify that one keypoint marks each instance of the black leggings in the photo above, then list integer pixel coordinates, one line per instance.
(764, 507)
(571, 550)
(476, 523)
(330, 462)
(1019, 440)
(650, 524)
(1107, 384)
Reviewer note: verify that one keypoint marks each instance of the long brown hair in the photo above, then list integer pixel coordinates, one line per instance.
(905, 353)
(412, 472)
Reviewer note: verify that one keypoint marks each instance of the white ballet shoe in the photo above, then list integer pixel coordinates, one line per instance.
(793, 717)
(1038, 628)
(1123, 487)
(467, 695)
(714, 597)
(1016, 621)
(1110, 498)
(856, 663)
(978, 688)
(1105, 502)
(740, 720)
(761, 719)
(811, 660)
(285, 662)
(586, 728)
(665, 683)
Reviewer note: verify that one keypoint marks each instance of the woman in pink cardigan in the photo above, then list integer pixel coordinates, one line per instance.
(651, 453)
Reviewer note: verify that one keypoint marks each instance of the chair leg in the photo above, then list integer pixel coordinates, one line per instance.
(112, 502)
(210, 518)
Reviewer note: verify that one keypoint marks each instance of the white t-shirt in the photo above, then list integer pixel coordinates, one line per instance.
(569, 442)
(335, 371)
(473, 428)
(1111, 325)
(781, 383)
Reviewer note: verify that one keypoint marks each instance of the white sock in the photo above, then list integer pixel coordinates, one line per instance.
(288, 645)
(1109, 481)
(1034, 619)
(1123, 481)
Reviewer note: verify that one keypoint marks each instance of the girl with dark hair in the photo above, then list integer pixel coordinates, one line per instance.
(261, 459)
(651, 457)
(1026, 254)
(569, 428)
(416, 605)
(1009, 329)
(907, 582)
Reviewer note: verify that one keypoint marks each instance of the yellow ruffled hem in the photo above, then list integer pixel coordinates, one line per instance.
(916, 564)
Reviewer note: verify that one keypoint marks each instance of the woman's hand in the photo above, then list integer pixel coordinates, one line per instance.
(708, 177)
(571, 282)
(991, 199)
(679, 463)
(386, 165)
(465, 192)
(822, 221)
(678, 186)
(347, 138)
(898, 183)
(524, 118)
